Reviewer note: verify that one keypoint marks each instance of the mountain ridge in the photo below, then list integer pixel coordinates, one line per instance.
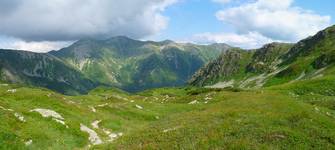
(119, 62)
(273, 64)
(42, 69)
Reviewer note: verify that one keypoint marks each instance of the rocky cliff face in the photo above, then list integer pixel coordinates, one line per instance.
(273, 64)
(230, 63)
(266, 58)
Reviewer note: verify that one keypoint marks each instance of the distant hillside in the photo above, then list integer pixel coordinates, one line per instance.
(273, 64)
(120, 62)
(137, 65)
(42, 70)
(236, 65)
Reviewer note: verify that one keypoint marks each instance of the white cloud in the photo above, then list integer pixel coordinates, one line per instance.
(60, 20)
(222, 1)
(248, 41)
(44, 46)
(274, 19)
(41, 46)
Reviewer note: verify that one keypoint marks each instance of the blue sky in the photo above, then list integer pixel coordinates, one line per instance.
(53, 24)
(190, 17)
(324, 7)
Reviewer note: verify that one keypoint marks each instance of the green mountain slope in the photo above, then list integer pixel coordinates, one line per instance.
(230, 63)
(119, 62)
(43, 70)
(291, 116)
(273, 64)
(136, 65)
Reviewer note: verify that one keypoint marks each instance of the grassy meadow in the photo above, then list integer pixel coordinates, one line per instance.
(296, 115)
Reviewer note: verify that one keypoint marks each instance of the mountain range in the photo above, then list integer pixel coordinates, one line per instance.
(120, 62)
(134, 65)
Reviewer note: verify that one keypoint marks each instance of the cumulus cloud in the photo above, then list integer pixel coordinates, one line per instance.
(60, 20)
(274, 19)
(247, 41)
(40, 46)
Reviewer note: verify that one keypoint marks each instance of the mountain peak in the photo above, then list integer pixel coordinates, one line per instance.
(84, 41)
(135, 65)
(120, 38)
(167, 42)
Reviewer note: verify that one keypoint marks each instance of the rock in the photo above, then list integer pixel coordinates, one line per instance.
(170, 129)
(5, 109)
(95, 124)
(60, 121)
(193, 102)
(224, 84)
(208, 98)
(29, 142)
(93, 109)
(103, 105)
(72, 102)
(11, 91)
(93, 136)
(138, 106)
(120, 97)
(20, 117)
(50, 113)
(112, 136)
